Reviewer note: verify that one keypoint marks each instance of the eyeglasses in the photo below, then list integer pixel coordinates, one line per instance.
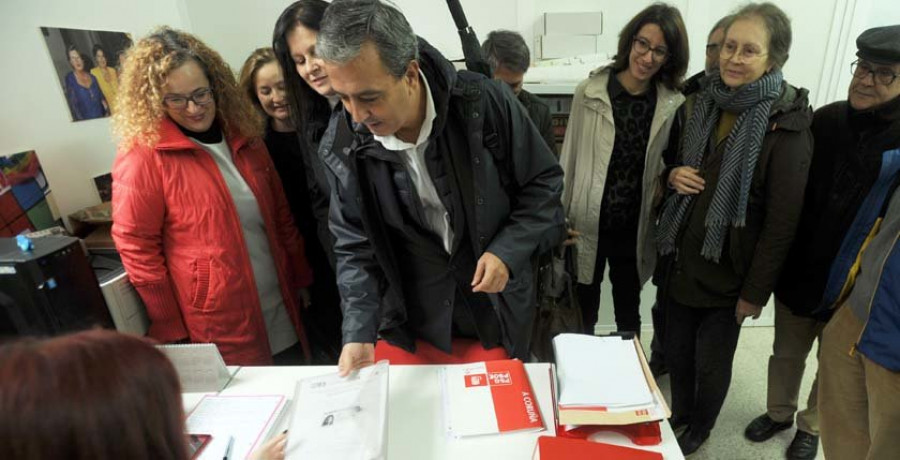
(882, 75)
(747, 54)
(202, 96)
(712, 49)
(642, 46)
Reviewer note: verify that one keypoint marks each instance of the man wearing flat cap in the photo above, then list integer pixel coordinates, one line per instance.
(845, 265)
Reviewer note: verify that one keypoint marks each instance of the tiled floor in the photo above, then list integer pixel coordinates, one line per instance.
(746, 400)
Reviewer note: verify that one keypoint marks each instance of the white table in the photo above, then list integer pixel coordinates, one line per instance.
(415, 419)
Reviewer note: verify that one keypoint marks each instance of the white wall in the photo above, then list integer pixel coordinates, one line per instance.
(238, 27)
(35, 115)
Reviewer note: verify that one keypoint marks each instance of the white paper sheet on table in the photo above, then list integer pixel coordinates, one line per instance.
(248, 418)
(337, 418)
(599, 371)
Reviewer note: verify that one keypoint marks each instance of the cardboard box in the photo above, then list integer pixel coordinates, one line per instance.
(578, 23)
(94, 225)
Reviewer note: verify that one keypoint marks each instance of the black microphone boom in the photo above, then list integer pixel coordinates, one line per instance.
(470, 45)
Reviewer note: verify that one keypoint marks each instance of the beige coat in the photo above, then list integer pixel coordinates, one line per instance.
(585, 157)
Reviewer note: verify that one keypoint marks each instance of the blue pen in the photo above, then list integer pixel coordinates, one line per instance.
(228, 449)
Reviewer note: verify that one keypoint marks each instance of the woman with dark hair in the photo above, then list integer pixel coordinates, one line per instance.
(97, 395)
(726, 231)
(613, 156)
(199, 214)
(83, 92)
(310, 97)
(263, 82)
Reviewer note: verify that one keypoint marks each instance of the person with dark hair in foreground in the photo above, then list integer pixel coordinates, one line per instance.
(509, 58)
(444, 196)
(93, 395)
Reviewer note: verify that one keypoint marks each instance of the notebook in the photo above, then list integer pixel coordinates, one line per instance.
(249, 419)
(489, 397)
(200, 367)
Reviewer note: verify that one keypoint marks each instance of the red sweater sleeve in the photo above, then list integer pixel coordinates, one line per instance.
(138, 210)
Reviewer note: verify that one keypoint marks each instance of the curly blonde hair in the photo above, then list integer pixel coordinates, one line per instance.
(147, 66)
(247, 81)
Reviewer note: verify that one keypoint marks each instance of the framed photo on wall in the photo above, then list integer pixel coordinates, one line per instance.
(87, 64)
(103, 184)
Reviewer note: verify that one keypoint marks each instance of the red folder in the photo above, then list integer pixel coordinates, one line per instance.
(490, 397)
(551, 448)
(641, 434)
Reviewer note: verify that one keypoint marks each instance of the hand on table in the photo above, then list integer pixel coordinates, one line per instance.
(272, 449)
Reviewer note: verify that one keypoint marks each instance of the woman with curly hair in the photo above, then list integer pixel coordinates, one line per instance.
(263, 82)
(199, 213)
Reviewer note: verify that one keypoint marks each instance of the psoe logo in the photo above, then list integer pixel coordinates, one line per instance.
(476, 380)
(500, 378)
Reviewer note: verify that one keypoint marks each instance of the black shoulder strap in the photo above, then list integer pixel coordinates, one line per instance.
(470, 87)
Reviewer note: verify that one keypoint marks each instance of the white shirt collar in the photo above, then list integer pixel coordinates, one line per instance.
(391, 142)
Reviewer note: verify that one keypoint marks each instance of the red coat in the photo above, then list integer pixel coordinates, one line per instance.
(180, 238)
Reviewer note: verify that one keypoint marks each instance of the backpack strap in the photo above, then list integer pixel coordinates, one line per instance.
(469, 86)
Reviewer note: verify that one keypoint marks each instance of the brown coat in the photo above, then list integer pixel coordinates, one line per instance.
(753, 255)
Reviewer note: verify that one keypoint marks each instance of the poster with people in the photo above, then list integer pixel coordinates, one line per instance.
(87, 63)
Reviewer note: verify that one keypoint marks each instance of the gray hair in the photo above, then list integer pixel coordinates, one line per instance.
(348, 24)
(508, 49)
(777, 24)
(721, 24)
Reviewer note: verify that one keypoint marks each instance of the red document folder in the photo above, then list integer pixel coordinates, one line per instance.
(551, 448)
(490, 397)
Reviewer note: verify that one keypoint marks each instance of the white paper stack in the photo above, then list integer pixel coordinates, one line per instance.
(605, 381)
(599, 372)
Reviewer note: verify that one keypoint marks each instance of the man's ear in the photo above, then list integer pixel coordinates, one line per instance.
(412, 73)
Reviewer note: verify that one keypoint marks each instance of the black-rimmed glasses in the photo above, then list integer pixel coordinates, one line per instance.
(881, 75)
(642, 46)
(202, 96)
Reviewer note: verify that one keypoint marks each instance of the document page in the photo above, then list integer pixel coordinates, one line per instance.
(340, 418)
(600, 371)
(249, 419)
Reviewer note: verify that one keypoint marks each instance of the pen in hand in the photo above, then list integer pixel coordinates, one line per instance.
(228, 449)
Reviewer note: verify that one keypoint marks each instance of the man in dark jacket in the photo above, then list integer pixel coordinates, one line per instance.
(444, 195)
(713, 46)
(850, 138)
(509, 58)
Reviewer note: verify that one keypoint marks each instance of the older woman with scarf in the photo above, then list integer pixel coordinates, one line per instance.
(725, 232)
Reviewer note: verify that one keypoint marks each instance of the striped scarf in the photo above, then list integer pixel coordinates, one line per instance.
(729, 202)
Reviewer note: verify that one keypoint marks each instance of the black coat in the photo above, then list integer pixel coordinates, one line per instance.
(512, 206)
(539, 112)
(846, 163)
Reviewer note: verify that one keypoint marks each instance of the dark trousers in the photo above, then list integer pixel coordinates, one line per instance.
(292, 356)
(619, 251)
(700, 343)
